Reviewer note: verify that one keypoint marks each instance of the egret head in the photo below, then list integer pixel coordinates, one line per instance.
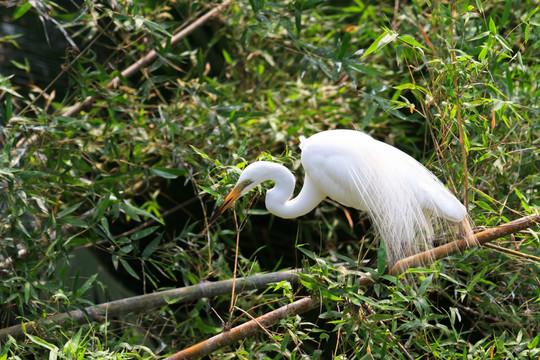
(252, 176)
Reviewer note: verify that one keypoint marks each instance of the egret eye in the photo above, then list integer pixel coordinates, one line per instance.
(247, 182)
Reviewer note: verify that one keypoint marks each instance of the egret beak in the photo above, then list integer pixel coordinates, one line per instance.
(228, 202)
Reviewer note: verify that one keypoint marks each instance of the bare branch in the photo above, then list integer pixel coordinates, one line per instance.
(427, 257)
(143, 303)
(247, 329)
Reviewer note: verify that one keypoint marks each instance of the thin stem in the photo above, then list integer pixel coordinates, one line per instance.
(460, 121)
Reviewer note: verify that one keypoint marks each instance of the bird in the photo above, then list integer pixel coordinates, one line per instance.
(404, 200)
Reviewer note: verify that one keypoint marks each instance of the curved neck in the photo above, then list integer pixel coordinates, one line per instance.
(278, 199)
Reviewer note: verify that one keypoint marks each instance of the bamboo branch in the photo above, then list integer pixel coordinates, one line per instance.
(428, 257)
(143, 303)
(247, 329)
(150, 57)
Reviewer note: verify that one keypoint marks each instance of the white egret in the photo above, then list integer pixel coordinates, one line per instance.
(403, 199)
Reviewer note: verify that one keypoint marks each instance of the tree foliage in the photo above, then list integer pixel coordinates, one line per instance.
(111, 201)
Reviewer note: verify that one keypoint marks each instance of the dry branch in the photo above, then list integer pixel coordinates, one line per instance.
(455, 247)
(143, 303)
(247, 329)
(428, 257)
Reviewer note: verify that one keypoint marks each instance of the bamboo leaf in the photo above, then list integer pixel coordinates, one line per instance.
(411, 41)
(128, 268)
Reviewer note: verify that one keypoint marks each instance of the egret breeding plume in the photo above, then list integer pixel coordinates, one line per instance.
(404, 200)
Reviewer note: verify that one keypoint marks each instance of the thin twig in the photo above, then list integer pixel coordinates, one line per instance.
(233, 296)
(515, 253)
(458, 111)
(149, 58)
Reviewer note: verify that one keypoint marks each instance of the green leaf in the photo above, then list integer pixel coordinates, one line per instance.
(201, 153)
(411, 41)
(310, 4)
(524, 201)
(87, 284)
(242, 147)
(69, 210)
(362, 69)
(209, 190)
(425, 284)
(72, 346)
(255, 5)
(533, 344)
(405, 86)
(308, 284)
(21, 10)
(306, 252)
(7, 172)
(101, 206)
(479, 36)
(484, 205)
(410, 86)
(129, 269)
(144, 233)
(27, 175)
(166, 173)
(41, 342)
(386, 38)
(478, 277)
(343, 45)
(381, 258)
(151, 247)
(104, 226)
(298, 21)
(330, 296)
(227, 57)
(369, 115)
(133, 212)
(74, 221)
(26, 292)
(143, 21)
(492, 27)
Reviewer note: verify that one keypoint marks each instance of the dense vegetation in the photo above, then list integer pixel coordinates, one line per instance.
(111, 200)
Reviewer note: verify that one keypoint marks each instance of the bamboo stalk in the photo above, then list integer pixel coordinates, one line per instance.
(146, 302)
(247, 329)
(428, 257)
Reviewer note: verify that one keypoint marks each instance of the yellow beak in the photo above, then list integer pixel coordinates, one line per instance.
(227, 203)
